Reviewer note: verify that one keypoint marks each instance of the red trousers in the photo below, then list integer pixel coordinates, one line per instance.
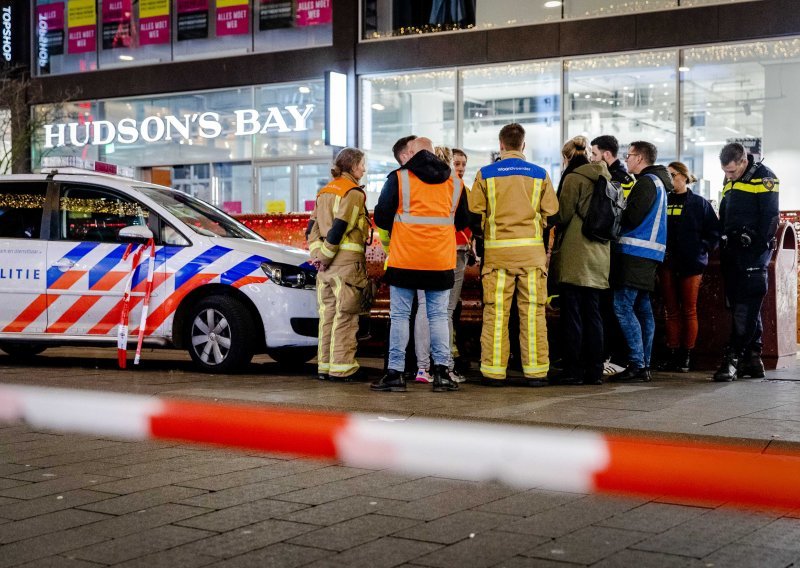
(680, 302)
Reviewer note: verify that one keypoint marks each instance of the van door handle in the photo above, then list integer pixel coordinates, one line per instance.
(64, 264)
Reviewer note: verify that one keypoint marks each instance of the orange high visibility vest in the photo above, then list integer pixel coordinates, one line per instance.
(422, 234)
(339, 187)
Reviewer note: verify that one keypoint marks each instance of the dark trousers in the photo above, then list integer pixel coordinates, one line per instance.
(745, 289)
(582, 326)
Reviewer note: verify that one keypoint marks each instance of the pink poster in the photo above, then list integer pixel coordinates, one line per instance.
(117, 16)
(50, 32)
(82, 26)
(233, 17)
(314, 12)
(153, 22)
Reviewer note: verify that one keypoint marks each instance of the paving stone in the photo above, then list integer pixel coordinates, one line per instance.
(382, 553)
(586, 546)
(101, 454)
(443, 504)
(56, 452)
(139, 521)
(530, 502)
(487, 549)
(47, 523)
(151, 455)
(455, 527)
(743, 556)
(60, 562)
(281, 469)
(326, 475)
(419, 488)
(527, 562)
(244, 514)
(339, 511)
(653, 517)
(353, 532)
(630, 558)
(781, 533)
(703, 535)
(8, 501)
(141, 483)
(173, 558)
(239, 495)
(248, 538)
(53, 486)
(139, 544)
(46, 545)
(43, 474)
(279, 555)
(7, 483)
(142, 499)
(8, 469)
(570, 517)
(367, 484)
(18, 510)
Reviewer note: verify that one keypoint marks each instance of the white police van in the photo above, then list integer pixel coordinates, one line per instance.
(219, 290)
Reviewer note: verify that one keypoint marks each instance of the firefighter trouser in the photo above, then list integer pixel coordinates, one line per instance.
(499, 287)
(340, 291)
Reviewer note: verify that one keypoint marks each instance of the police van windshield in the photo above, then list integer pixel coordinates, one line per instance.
(201, 217)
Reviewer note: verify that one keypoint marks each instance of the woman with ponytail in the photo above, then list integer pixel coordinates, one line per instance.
(692, 232)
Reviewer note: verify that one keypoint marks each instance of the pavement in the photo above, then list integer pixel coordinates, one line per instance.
(83, 501)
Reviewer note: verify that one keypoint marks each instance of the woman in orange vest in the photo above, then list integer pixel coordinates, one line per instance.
(337, 236)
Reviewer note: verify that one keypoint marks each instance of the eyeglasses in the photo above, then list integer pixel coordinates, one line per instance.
(630, 155)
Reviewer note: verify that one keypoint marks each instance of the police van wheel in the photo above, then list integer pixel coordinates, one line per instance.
(219, 335)
(22, 350)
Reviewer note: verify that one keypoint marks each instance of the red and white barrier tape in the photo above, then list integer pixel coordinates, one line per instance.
(518, 456)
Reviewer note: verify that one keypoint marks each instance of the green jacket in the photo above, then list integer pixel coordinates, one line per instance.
(578, 260)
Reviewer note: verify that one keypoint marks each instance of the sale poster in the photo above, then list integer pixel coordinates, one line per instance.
(117, 19)
(274, 14)
(314, 12)
(233, 17)
(192, 19)
(81, 26)
(153, 22)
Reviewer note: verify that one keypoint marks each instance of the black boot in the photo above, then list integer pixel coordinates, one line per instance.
(442, 381)
(684, 360)
(669, 363)
(392, 381)
(323, 376)
(751, 365)
(727, 369)
(631, 374)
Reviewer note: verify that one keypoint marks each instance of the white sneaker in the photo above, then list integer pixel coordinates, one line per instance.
(423, 376)
(456, 377)
(610, 368)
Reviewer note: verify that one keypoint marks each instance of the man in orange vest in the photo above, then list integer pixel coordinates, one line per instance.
(419, 204)
(513, 198)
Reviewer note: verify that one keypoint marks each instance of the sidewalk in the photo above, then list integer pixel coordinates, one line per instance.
(84, 502)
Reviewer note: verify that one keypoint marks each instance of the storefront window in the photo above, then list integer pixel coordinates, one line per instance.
(592, 8)
(423, 104)
(292, 120)
(134, 32)
(281, 25)
(529, 94)
(66, 36)
(631, 96)
(743, 93)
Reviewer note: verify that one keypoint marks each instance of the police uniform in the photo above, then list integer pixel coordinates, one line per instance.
(749, 214)
(514, 198)
(621, 177)
(340, 288)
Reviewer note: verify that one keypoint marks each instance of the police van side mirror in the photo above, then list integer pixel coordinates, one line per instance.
(135, 233)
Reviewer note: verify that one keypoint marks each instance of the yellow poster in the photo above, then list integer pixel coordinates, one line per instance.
(81, 13)
(153, 8)
(276, 206)
(231, 3)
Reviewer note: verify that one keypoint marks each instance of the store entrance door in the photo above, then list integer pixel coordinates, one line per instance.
(290, 188)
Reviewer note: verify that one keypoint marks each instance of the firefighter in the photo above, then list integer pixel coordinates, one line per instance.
(337, 235)
(749, 215)
(513, 199)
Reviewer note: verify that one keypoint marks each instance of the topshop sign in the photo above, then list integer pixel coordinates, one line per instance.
(209, 125)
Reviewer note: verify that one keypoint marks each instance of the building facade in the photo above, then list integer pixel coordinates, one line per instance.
(227, 99)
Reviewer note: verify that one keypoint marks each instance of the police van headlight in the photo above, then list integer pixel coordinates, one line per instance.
(289, 275)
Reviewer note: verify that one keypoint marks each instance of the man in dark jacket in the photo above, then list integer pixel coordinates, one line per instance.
(636, 256)
(749, 215)
(605, 149)
(433, 200)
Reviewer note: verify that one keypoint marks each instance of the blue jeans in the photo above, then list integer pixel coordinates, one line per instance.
(400, 309)
(635, 314)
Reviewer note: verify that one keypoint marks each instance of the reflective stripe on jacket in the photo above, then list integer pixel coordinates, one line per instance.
(649, 239)
(423, 237)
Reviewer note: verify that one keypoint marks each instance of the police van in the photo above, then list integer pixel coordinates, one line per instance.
(218, 290)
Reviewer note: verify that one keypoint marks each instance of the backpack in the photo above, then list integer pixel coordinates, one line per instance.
(603, 220)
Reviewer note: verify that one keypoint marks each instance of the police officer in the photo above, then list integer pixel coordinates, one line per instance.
(749, 217)
(513, 199)
(337, 235)
(605, 149)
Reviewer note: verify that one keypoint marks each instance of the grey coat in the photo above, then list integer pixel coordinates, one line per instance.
(578, 260)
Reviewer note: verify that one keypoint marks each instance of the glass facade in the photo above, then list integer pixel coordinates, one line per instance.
(72, 36)
(389, 18)
(688, 102)
(225, 147)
